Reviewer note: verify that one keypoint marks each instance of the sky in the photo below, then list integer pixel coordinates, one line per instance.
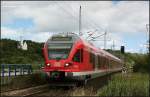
(124, 21)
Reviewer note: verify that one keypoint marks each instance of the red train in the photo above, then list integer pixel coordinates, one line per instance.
(69, 56)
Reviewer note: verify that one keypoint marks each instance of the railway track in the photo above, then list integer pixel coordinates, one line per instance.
(90, 88)
(27, 91)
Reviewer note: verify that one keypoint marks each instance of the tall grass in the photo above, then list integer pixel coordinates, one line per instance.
(136, 84)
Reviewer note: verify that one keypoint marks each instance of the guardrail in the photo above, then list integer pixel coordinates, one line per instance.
(15, 69)
(9, 72)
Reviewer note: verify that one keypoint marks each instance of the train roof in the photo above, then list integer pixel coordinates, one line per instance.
(64, 36)
(99, 50)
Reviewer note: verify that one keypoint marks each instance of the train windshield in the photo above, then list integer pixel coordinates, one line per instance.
(59, 50)
(59, 47)
(58, 53)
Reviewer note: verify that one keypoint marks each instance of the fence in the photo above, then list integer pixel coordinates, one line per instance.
(15, 69)
(9, 71)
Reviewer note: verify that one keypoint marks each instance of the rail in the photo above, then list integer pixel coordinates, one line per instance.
(26, 92)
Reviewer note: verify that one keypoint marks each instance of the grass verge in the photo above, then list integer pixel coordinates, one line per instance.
(136, 84)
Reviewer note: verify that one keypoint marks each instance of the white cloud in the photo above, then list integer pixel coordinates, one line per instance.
(16, 34)
(124, 18)
(130, 17)
(9, 33)
(39, 37)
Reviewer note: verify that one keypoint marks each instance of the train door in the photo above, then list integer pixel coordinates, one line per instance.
(96, 62)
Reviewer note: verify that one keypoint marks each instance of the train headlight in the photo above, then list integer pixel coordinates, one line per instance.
(67, 64)
(48, 64)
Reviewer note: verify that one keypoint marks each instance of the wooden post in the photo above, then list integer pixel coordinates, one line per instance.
(23, 69)
(20, 70)
(31, 70)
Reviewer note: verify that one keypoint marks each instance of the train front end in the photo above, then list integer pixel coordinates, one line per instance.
(59, 51)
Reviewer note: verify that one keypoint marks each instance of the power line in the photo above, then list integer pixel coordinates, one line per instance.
(80, 23)
(91, 23)
(69, 13)
(95, 24)
(105, 39)
(100, 40)
(66, 11)
(89, 34)
(97, 36)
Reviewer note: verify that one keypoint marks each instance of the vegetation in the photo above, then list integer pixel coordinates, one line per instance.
(127, 85)
(142, 63)
(10, 54)
(138, 62)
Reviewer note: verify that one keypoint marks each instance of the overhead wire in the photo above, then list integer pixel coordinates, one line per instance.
(90, 24)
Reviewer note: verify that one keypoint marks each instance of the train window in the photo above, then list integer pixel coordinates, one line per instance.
(103, 61)
(107, 62)
(99, 61)
(94, 63)
(81, 53)
(78, 57)
(111, 63)
(91, 57)
(60, 38)
(58, 53)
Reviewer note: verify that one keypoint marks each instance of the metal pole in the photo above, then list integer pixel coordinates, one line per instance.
(147, 28)
(15, 66)
(113, 45)
(3, 70)
(149, 42)
(23, 69)
(149, 38)
(31, 69)
(28, 69)
(9, 70)
(80, 33)
(20, 69)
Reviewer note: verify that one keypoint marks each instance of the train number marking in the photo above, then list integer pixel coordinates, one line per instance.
(57, 64)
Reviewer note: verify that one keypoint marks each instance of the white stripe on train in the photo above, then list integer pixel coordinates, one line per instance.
(94, 72)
